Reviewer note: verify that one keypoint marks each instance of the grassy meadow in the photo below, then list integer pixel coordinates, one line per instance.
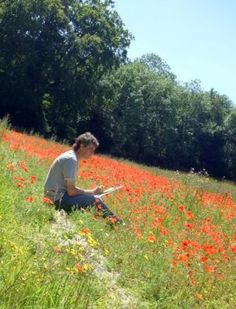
(177, 249)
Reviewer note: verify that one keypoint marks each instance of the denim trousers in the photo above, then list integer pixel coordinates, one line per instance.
(83, 201)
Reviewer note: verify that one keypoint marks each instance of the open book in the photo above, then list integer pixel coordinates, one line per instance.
(110, 190)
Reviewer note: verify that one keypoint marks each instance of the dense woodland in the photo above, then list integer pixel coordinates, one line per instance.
(64, 70)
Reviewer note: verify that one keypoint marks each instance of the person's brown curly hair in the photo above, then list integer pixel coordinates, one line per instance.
(85, 139)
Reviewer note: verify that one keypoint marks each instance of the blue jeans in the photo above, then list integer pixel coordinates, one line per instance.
(69, 203)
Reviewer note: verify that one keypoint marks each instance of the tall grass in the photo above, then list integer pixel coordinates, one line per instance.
(32, 272)
(177, 249)
(4, 126)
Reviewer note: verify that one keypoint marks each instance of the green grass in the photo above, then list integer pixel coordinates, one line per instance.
(32, 274)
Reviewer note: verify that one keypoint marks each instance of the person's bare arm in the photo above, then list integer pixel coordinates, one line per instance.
(73, 190)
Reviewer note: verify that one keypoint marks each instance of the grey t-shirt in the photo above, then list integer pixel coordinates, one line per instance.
(64, 167)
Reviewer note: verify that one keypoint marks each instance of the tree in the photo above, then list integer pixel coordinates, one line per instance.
(213, 137)
(156, 64)
(52, 55)
(138, 114)
(230, 148)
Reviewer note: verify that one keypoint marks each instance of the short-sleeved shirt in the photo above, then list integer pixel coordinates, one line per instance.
(64, 167)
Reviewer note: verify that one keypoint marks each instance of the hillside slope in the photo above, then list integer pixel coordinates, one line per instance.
(177, 248)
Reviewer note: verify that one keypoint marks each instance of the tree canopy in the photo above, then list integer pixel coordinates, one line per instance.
(52, 54)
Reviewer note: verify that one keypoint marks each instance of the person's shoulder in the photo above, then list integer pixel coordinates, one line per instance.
(68, 155)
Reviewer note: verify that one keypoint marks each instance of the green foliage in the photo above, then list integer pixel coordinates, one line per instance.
(156, 64)
(137, 98)
(230, 147)
(52, 55)
(143, 114)
(33, 274)
(4, 126)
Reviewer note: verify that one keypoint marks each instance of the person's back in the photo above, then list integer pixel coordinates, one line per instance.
(64, 167)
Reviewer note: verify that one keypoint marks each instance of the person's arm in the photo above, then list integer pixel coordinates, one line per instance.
(73, 190)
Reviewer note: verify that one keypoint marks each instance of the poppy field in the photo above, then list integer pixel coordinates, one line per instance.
(177, 248)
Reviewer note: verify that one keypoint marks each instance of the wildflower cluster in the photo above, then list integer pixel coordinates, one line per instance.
(192, 228)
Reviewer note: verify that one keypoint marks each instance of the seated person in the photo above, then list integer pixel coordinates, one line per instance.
(60, 185)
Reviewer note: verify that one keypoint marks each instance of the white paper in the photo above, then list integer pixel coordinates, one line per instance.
(110, 190)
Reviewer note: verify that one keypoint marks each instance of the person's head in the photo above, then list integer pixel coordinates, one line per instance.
(85, 145)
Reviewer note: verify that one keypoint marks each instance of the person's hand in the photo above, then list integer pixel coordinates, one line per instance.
(98, 190)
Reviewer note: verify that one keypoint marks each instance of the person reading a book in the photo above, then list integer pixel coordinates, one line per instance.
(60, 185)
